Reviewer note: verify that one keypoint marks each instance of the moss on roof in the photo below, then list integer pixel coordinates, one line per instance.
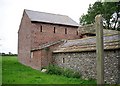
(89, 44)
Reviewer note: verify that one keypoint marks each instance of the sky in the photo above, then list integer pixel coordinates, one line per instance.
(11, 13)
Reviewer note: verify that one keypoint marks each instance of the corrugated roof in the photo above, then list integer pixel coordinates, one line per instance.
(50, 18)
(89, 44)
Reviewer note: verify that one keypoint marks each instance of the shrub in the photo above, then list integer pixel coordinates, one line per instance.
(53, 69)
(71, 73)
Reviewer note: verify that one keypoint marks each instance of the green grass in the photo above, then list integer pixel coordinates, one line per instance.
(15, 73)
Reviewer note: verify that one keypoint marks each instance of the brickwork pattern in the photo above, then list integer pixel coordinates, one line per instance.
(34, 34)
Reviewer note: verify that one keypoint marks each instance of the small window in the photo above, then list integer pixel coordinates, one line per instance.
(65, 30)
(54, 29)
(77, 32)
(31, 56)
(63, 60)
(41, 28)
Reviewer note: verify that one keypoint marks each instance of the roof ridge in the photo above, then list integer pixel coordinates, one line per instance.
(46, 12)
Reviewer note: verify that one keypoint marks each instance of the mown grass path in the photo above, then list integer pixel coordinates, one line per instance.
(15, 73)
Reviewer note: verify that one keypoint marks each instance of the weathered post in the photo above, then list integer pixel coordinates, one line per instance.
(99, 49)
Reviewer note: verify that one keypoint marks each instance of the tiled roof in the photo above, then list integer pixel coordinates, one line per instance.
(89, 44)
(50, 18)
(46, 45)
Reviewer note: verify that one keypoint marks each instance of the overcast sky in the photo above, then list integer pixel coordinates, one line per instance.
(11, 13)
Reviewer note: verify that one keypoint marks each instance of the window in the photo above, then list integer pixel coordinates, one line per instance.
(77, 32)
(65, 30)
(54, 29)
(31, 56)
(63, 60)
(41, 28)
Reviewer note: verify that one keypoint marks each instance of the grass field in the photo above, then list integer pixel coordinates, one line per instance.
(15, 73)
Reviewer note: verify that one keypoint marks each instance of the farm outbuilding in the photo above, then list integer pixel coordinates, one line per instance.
(46, 38)
(39, 33)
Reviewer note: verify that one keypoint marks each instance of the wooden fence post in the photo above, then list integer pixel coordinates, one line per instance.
(99, 49)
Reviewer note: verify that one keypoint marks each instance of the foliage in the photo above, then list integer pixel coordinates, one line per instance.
(9, 55)
(105, 8)
(53, 69)
(15, 73)
(4, 54)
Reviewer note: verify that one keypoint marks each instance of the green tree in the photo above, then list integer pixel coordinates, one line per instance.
(105, 8)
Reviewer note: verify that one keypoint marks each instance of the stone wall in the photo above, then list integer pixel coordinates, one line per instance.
(85, 63)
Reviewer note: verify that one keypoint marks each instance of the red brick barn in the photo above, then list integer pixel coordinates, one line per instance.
(39, 33)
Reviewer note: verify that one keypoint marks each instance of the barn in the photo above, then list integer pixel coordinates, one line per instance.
(40, 33)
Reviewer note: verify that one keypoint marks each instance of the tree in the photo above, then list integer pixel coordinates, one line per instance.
(93, 10)
(106, 9)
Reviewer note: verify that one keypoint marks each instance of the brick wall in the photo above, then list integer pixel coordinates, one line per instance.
(35, 59)
(48, 35)
(24, 40)
(33, 34)
(43, 57)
